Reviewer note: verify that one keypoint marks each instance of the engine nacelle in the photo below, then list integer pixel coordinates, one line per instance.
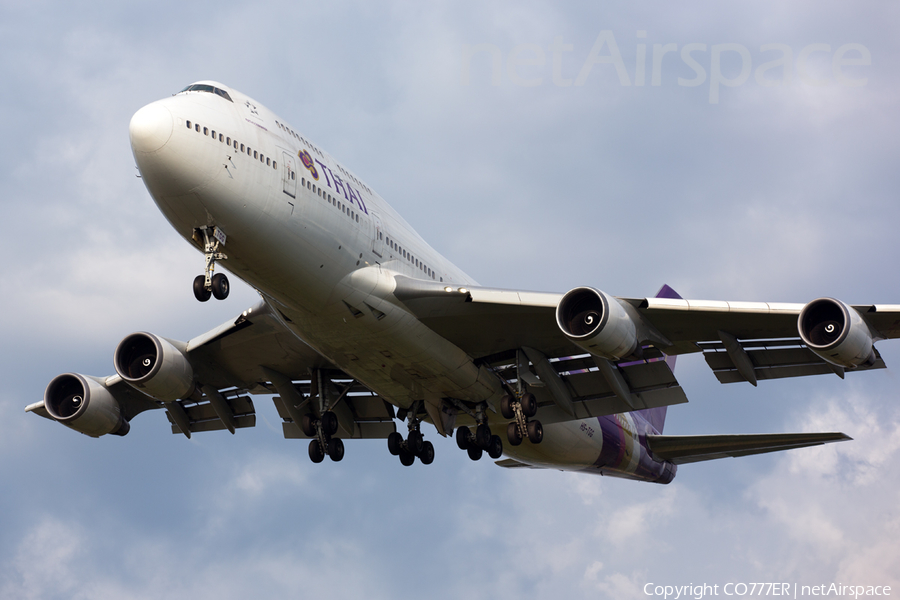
(837, 333)
(598, 323)
(85, 405)
(155, 366)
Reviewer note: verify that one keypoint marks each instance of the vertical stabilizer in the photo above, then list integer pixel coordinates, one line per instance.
(657, 416)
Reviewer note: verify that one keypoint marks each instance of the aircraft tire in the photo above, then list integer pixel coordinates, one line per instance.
(475, 452)
(394, 440)
(329, 423)
(529, 405)
(483, 436)
(462, 437)
(220, 287)
(415, 442)
(200, 292)
(407, 458)
(308, 425)
(315, 452)
(427, 454)
(495, 449)
(336, 449)
(506, 407)
(512, 434)
(535, 432)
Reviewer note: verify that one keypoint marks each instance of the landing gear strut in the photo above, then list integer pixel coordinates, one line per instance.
(521, 409)
(208, 284)
(321, 431)
(415, 444)
(475, 444)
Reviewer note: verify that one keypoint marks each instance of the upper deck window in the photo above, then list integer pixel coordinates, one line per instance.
(202, 87)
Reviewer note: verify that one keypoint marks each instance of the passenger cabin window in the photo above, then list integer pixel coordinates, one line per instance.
(222, 138)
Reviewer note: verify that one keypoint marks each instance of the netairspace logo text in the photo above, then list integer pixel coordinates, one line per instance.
(713, 65)
(781, 589)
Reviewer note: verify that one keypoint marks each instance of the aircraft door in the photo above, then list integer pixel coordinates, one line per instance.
(377, 235)
(289, 175)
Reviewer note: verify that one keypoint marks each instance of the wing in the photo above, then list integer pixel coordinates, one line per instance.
(256, 353)
(742, 341)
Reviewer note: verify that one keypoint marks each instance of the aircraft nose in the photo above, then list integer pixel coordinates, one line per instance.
(150, 128)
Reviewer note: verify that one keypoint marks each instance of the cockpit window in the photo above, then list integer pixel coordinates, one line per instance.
(203, 87)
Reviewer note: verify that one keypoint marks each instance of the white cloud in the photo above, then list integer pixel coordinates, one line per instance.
(45, 563)
(620, 585)
(631, 523)
(837, 503)
(59, 560)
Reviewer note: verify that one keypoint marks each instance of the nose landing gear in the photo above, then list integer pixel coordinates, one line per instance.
(208, 284)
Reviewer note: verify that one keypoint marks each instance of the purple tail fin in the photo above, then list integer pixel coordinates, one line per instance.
(657, 416)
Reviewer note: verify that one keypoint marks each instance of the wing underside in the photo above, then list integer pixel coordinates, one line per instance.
(575, 387)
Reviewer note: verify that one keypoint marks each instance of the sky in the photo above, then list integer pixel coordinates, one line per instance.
(755, 161)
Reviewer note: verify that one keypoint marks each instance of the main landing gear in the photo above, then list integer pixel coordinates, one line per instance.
(521, 409)
(321, 431)
(207, 285)
(415, 444)
(475, 444)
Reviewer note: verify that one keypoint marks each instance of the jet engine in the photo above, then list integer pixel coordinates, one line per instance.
(85, 405)
(837, 333)
(155, 366)
(598, 323)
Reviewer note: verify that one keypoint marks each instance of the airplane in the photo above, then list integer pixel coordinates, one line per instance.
(361, 323)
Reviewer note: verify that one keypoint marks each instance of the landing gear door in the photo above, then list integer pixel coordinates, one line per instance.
(289, 175)
(377, 235)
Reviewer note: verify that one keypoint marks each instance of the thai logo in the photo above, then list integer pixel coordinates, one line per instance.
(307, 161)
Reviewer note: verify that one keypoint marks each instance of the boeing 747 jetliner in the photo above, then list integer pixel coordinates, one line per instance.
(362, 323)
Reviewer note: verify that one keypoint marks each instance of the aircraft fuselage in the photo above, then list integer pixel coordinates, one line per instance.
(323, 249)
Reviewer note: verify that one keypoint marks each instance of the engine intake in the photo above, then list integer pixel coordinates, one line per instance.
(597, 322)
(837, 333)
(155, 366)
(85, 405)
